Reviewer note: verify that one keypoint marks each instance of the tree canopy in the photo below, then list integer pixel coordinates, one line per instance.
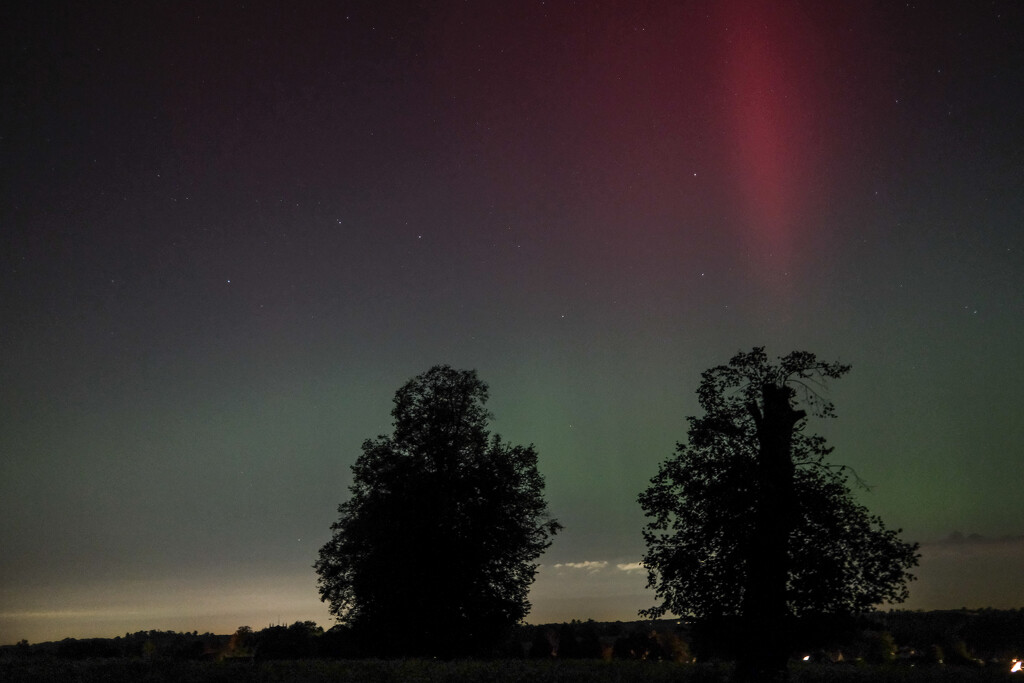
(442, 528)
(749, 521)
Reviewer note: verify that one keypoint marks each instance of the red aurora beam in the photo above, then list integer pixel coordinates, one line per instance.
(768, 64)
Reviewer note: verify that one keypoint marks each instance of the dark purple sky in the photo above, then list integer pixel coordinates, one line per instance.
(230, 234)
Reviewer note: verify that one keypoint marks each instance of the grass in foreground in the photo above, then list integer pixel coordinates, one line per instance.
(426, 671)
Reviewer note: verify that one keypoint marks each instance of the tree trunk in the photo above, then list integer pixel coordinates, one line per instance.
(764, 623)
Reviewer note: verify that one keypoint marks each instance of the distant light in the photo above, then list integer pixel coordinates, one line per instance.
(807, 658)
(1016, 666)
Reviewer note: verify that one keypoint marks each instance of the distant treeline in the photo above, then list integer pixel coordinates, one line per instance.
(985, 634)
(956, 637)
(653, 640)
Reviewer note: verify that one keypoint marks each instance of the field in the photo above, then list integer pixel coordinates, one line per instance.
(420, 671)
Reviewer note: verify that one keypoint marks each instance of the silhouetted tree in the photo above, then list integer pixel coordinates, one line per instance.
(674, 648)
(540, 646)
(748, 520)
(241, 643)
(589, 643)
(578, 640)
(298, 641)
(568, 645)
(434, 552)
(638, 645)
(878, 647)
(337, 642)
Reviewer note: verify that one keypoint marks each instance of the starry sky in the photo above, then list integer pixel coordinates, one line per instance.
(230, 231)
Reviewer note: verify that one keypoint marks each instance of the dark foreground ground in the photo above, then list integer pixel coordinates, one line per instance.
(419, 671)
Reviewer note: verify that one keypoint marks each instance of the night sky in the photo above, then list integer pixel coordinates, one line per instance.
(231, 231)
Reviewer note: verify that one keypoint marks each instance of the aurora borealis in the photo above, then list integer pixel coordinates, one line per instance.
(230, 234)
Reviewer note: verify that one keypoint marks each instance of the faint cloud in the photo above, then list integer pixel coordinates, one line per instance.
(594, 566)
(958, 538)
(968, 570)
(64, 614)
(589, 566)
(606, 590)
(958, 544)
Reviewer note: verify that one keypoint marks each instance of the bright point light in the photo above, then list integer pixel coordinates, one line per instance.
(1016, 666)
